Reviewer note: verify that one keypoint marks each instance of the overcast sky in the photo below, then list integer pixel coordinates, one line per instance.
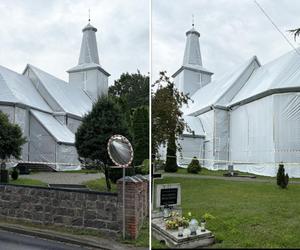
(48, 34)
(231, 31)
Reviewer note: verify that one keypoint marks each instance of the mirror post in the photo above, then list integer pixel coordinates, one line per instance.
(124, 204)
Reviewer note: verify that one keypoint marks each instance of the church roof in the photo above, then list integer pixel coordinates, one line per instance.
(281, 74)
(214, 92)
(195, 126)
(72, 99)
(17, 88)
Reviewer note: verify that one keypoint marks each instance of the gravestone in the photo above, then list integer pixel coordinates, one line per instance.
(168, 195)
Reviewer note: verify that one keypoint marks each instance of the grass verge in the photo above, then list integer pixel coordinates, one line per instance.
(99, 185)
(247, 214)
(29, 182)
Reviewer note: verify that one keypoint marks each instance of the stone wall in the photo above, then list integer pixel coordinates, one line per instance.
(80, 209)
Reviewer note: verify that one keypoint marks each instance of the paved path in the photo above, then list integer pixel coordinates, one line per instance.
(14, 241)
(62, 178)
(191, 176)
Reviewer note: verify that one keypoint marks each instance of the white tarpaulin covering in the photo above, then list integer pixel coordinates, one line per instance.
(254, 118)
(194, 124)
(281, 73)
(16, 88)
(72, 99)
(58, 130)
(213, 93)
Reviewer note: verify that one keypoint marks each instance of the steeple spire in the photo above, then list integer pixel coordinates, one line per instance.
(89, 50)
(192, 54)
(89, 15)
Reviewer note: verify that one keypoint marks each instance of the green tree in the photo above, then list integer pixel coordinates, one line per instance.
(140, 129)
(167, 121)
(11, 141)
(104, 120)
(133, 89)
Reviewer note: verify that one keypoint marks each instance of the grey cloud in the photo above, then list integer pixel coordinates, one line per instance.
(231, 31)
(48, 34)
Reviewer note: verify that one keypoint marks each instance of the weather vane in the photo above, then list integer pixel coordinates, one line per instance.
(89, 15)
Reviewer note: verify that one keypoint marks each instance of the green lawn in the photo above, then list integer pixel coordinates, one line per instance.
(30, 182)
(99, 185)
(207, 172)
(247, 214)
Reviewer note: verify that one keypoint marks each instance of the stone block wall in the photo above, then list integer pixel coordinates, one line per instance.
(79, 209)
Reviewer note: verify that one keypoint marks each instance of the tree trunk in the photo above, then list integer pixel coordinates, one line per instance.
(106, 173)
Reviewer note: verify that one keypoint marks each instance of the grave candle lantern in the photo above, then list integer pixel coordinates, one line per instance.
(193, 226)
(202, 225)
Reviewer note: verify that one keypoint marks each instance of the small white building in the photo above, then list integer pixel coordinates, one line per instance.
(49, 110)
(249, 117)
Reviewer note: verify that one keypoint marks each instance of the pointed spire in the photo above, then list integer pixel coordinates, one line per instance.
(192, 54)
(89, 50)
(89, 15)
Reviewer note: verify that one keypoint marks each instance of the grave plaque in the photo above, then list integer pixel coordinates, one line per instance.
(168, 195)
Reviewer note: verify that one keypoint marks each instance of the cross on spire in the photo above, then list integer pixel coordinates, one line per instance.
(193, 21)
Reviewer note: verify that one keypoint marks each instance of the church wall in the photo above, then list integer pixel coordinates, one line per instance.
(221, 138)
(93, 81)
(22, 119)
(251, 132)
(66, 154)
(191, 81)
(42, 146)
(19, 116)
(207, 120)
(10, 111)
(286, 127)
(73, 124)
(191, 146)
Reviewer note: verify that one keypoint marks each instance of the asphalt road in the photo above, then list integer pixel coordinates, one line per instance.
(13, 241)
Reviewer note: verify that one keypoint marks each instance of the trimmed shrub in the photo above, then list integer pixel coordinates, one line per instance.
(194, 167)
(14, 174)
(282, 178)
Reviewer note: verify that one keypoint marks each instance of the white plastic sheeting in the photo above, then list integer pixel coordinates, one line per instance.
(16, 88)
(58, 130)
(284, 72)
(266, 132)
(72, 99)
(194, 124)
(221, 91)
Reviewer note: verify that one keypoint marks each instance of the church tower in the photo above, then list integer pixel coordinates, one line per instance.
(191, 76)
(88, 74)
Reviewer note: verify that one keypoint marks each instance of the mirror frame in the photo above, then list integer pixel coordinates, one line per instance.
(130, 148)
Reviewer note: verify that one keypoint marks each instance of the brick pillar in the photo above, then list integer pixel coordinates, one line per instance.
(135, 204)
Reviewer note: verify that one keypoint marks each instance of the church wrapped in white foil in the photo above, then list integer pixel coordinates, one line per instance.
(249, 117)
(48, 109)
